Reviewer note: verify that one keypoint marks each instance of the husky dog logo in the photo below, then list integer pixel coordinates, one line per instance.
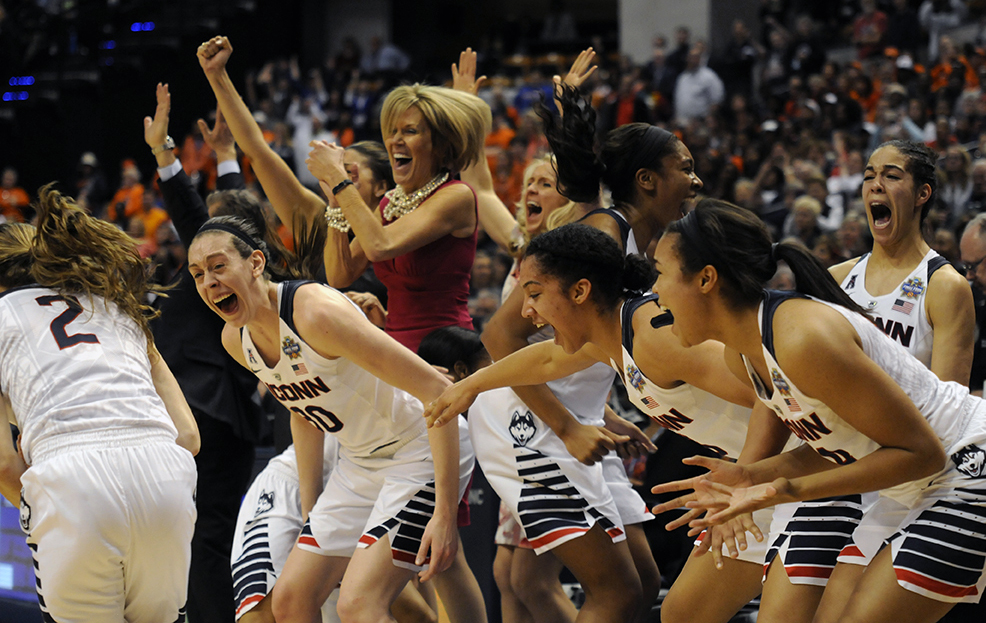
(779, 382)
(522, 427)
(635, 378)
(971, 461)
(266, 503)
(25, 514)
(852, 283)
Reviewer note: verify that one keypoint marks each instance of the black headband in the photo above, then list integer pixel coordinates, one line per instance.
(652, 143)
(239, 233)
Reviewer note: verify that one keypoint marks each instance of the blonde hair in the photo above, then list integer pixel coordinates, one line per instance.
(15, 254)
(806, 201)
(74, 253)
(459, 122)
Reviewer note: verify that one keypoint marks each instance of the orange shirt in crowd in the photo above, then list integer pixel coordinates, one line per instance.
(941, 73)
(153, 219)
(12, 201)
(131, 199)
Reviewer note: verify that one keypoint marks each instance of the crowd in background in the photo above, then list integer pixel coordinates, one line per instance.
(780, 123)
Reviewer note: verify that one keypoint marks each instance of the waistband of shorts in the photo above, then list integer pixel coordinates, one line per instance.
(100, 440)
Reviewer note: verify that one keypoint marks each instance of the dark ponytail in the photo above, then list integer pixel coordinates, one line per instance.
(571, 138)
(736, 242)
(623, 152)
(448, 346)
(576, 251)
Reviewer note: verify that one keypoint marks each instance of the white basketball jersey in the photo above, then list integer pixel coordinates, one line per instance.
(901, 313)
(370, 418)
(691, 412)
(74, 364)
(947, 406)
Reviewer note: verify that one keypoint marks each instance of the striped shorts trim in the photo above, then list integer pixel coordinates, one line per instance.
(810, 543)
(941, 552)
(406, 529)
(551, 509)
(253, 571)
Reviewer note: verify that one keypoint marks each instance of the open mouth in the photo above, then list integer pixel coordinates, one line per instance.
(402, 162)
(228, 304)
(533, 209)
(881, 215)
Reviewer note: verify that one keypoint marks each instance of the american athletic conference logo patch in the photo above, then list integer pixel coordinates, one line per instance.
(971, 461)
(291, 348)
(912, 288)
(522, 427)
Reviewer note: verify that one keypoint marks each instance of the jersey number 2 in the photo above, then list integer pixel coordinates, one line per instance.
(62, 338)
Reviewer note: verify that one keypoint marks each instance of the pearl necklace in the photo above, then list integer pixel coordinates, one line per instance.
(399, 203)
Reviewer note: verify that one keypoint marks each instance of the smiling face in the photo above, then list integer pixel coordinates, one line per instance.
(228, 283)
(410, 151)
(545, 302)
(677, 183)
(893, 204)
(678, 293)
(541, 197)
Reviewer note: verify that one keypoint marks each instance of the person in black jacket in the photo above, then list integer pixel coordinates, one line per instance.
(218, 390)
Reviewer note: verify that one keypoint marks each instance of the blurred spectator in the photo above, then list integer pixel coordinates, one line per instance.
(383, 58)
(783, 278)
(952, 73)
(348, 58)
(868, 30)
(738, 60)
(937, 17)
(903, 28)
(945, 244)
(807, 52)
(196, 157)
(854, 236)
(152, 216)
(678, 58)
(626, 105)
(661, 77)
(281, 144)
(698, 89)
(91, 190)
(802, 222)
(482, 272)
(15, 204)
(977, 199)
(128, 200)
(559, 25)
(956, 187)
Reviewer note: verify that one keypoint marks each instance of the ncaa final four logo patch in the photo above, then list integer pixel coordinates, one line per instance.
(779, 382)
(971, 461)
(912, 288)
(635, 378)
(291, 348)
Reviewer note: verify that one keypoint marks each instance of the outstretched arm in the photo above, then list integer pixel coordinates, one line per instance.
(331, 325)
(287, 195)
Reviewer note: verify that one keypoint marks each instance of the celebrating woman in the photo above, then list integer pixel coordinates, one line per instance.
(394, 492)
(872, 417)
(578, 280)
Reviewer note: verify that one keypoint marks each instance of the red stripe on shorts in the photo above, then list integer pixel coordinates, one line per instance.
(249, 601)
(851, 550)
(366, 539)
(307, 540)
(935, 586)
(551, 537)
(808, 572)
(407, 557)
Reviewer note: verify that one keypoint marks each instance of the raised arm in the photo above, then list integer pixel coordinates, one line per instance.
(287, 195)
(495, 218)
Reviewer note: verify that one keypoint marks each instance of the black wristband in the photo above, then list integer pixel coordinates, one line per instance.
(341, 185)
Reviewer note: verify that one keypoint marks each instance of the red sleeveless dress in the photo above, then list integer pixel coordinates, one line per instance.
(428, 288)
